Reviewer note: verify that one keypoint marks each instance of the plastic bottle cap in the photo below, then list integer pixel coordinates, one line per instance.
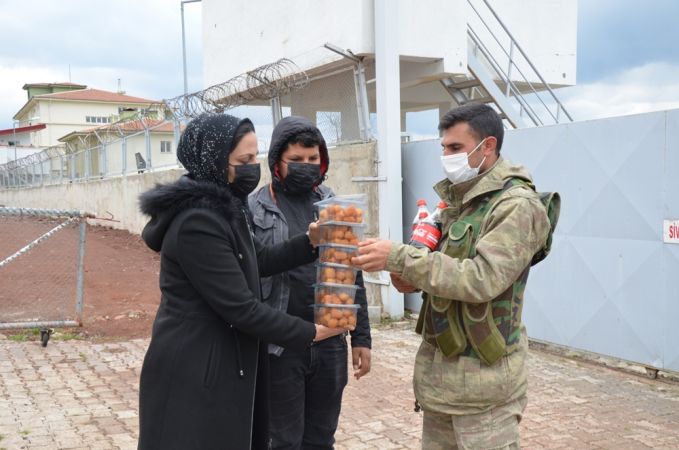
(421, 202)
(442, 204)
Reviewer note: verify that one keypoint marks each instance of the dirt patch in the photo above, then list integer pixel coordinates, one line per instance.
(121, 285)
(121, 293)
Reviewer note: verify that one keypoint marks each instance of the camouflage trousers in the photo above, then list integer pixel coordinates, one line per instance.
(497, 429)
(467, 404)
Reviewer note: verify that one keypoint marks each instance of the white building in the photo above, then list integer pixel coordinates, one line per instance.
(70, 107)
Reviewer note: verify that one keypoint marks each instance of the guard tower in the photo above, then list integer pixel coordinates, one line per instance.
(401, 56)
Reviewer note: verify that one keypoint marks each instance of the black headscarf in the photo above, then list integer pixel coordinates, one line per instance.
(205, 145)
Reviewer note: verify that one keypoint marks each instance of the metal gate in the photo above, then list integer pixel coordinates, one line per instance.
(42, 255)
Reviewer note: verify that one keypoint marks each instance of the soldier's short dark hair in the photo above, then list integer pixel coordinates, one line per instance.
(482, 119)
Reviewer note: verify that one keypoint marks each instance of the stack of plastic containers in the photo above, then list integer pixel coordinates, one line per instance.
(342, 225)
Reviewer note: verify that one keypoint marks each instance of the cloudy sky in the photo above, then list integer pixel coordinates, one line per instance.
(628, 57)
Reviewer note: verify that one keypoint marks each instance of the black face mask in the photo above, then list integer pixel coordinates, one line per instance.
(302, 177)
(247, 179)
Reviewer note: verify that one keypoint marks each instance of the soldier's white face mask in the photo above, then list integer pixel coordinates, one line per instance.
(457, 168)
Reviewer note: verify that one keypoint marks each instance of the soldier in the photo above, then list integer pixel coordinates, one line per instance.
(470, 370)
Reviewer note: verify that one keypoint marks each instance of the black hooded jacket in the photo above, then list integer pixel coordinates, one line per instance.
(277, 216)
(287, 128)
(203, 380)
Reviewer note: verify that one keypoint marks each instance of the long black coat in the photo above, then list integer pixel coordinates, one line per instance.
(203, 380)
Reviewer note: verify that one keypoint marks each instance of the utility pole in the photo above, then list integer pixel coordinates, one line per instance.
(186, 85)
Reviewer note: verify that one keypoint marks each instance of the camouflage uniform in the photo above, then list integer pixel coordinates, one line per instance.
(468, 403)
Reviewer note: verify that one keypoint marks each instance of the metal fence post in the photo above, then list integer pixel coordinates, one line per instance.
(81, 265)
(362, 101)
(104, 161)
(88, 163)
(276, 111)
(147, 140)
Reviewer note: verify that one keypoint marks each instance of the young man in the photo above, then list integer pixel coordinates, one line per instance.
(470, 370)
(306, 386)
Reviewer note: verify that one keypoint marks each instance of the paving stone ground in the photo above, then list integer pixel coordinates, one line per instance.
(83, 395)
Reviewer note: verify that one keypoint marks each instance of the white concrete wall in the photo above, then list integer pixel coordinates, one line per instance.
(239, 36)
(119, 196)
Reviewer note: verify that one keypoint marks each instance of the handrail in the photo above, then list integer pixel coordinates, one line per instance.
(511, 59)
(518, 96)
(488, 54)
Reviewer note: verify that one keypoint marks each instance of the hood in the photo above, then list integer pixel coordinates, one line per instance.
(165, 201)
(288, 127)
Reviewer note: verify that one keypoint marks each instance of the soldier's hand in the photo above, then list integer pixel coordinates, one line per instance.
(372, 255)
(400, 285)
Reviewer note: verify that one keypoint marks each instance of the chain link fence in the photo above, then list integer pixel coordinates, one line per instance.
(127, 147)
(41, 267)
(335, 99)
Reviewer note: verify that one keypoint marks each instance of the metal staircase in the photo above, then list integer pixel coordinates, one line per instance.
(503, 77)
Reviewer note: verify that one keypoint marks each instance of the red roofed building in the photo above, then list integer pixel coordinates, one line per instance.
(65, 108)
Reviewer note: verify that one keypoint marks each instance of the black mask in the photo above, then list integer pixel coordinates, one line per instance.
(247, 179)
(302, 177)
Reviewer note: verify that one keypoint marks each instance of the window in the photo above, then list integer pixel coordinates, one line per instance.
(165, 146)
(97, 119)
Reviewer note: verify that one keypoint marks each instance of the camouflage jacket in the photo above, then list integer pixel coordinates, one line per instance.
(516, 228)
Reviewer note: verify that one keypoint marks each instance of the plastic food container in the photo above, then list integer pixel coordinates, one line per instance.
(335, 273)
(335, 316)
(335, 294)
(335, 233)
(337, 254)
(342, 208)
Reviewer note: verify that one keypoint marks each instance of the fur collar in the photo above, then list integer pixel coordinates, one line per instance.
(165, 201)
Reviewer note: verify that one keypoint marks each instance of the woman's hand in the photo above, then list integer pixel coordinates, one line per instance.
(323, 332)
(314, 234)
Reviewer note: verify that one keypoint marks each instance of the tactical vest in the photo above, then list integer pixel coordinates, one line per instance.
(489, 330)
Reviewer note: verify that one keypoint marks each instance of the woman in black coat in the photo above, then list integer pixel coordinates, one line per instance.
(204, 378)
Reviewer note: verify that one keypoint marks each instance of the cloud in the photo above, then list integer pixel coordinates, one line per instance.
(138, 42)
(614, 35)
(649, 87)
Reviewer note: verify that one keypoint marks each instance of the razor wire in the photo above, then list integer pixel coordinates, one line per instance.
(263, 83)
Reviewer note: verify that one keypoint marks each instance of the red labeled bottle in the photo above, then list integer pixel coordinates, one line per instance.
(427, 233)
(422, 213)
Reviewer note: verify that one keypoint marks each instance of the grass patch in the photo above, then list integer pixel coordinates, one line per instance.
(66, 336)
(20, 337)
